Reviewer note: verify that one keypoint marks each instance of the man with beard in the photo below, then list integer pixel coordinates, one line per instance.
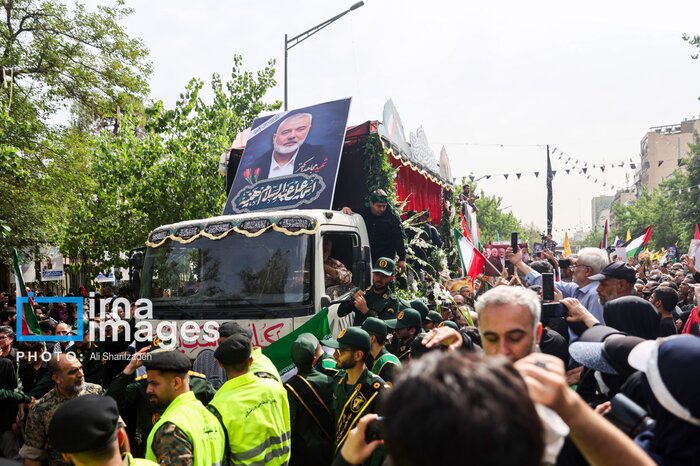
(356, 390)
(67, 374)
(616, 280)
(140, 415)
(186, 433)
(407, 324)
(386, 235)
(588, 262)
(290, 153)
(378, 300)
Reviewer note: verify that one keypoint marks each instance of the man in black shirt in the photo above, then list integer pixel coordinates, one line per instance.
(386, 235)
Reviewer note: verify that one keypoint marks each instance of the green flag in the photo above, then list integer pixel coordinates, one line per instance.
(280, 351)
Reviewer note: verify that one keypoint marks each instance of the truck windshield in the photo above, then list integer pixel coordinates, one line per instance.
(236, 271)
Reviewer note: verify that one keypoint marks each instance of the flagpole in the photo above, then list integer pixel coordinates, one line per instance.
(550, 201)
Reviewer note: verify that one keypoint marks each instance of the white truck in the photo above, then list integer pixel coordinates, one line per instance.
(263, 269)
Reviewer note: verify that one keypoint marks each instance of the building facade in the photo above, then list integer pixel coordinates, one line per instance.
(662, 150)
(600, 210)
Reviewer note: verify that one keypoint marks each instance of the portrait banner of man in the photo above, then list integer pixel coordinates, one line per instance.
(291, 160)
(496, 258)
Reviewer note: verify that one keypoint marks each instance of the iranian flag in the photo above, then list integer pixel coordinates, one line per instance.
(30, 324)
(635, 245)
(471, 259)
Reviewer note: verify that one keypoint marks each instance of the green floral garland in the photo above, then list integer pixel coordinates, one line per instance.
(379, 172)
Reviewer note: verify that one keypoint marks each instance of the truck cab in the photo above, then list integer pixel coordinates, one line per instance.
(263, 269)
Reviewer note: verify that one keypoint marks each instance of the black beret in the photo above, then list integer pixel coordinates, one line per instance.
(167, 361)
(230, 328)
(83, 424)
(234, 350)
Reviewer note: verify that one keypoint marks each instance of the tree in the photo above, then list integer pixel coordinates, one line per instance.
(493, 220)
(54, 57)
(161, 167)
(672, 209)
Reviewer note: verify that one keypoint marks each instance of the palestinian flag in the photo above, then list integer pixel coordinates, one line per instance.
(635, 245)
(30, 324)
(471, 259)
(280, 352)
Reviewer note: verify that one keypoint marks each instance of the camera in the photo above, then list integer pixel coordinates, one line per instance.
(375, 430)
(628, 416)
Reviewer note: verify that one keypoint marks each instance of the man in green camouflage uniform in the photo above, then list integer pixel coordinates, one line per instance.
(355, 390)
(379, 360)
(90, 357)
(376, 301)
(67, 374)
(408, 325)
(140, 414)
(310, 394)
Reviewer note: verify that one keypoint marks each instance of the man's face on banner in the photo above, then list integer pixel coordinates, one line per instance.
(291, 134)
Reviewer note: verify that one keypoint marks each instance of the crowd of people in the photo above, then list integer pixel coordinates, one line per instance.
(494, 372)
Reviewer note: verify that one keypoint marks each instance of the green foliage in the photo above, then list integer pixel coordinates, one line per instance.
(672, 208)
(592, 239)
(492, 219)
(380, 173)
(161, 167)
(53, 57)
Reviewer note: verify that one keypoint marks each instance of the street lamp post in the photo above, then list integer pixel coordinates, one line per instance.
(296, 40)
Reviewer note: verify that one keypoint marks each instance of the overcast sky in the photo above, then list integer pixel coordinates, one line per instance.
(589, 79)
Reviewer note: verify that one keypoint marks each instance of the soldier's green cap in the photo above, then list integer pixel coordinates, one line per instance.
(448, 323)
(385, 266)
(375, 326)
(434, 317)
(408, 318)
(167, 361)
(304, 349)
(349, 338)
(403, 304)
(421, 307)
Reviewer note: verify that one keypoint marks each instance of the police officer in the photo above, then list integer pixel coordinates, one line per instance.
(253, 409)
(408, 325)
(376, 301)
(86, 431)
(140, 414)
(186, 433)
(356, 390)
(310, 396)
(380, 361)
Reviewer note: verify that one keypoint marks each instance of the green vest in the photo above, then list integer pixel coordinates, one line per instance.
(255, 413)
(386, 358)
(201, 427)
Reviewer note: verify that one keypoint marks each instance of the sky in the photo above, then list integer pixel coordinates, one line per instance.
(493, 83)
